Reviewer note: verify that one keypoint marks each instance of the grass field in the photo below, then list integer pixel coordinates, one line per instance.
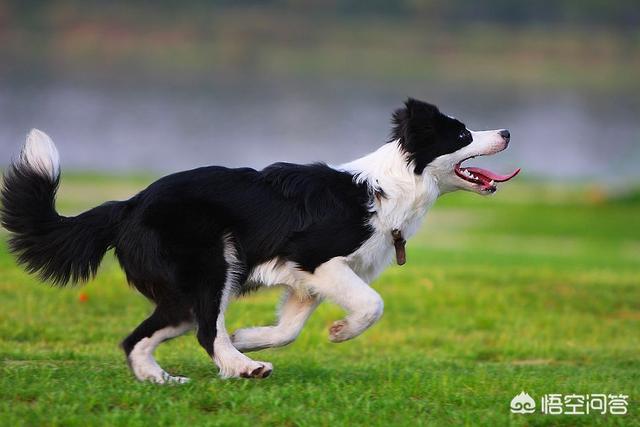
(535, 289)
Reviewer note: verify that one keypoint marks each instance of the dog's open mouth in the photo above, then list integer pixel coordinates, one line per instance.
(482, 177)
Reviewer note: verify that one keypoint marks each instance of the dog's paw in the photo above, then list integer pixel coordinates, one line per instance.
(173, 379)
(253, 369)
(340, 331)
(262, 371)
(160, 377)
(145, 368)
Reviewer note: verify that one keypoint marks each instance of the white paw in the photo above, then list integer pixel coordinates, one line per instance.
(168, 379)
(252, 369)
(145, 368)
(259, 370)
(340, 331)
(158, 376)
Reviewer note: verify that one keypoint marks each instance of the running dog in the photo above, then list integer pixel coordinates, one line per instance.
(193, 240)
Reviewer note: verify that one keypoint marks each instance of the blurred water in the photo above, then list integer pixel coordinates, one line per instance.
(249, 122)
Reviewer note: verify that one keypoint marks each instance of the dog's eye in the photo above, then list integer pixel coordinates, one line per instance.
(465, 134)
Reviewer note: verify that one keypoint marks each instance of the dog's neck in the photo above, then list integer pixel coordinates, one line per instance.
(401, 198)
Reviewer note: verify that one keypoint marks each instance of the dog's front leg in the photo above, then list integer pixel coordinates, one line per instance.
(337, 282)
(294, 312)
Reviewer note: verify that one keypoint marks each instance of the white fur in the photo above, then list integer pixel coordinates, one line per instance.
(40, 153)
(293, 313)
(141, 359)
(336, 281)
(405, 201)
(229, 360)
(274, 272)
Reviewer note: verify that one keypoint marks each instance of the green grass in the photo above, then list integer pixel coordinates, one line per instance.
(535, 289)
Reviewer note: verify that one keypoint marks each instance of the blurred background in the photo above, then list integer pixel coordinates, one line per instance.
(535, 289)
(164, 86)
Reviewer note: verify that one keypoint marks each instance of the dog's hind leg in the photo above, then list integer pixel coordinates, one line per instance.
(293, 313)
(211, 304)
(165, 323)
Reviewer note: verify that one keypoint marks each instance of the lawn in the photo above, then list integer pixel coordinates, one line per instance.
(536, 288)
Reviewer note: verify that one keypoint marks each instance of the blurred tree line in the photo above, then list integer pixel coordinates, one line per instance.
(581, 43)
(610, 14)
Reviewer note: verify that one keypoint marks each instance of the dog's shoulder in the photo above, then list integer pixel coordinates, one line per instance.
(311, 181)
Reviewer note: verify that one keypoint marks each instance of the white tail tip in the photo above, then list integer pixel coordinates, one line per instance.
(41, 154)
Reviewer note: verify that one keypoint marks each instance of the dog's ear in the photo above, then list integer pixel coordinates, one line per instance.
(413, 124)
(399, 123)
(420, 110)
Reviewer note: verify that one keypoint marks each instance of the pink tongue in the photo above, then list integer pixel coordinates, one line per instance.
(493, 176)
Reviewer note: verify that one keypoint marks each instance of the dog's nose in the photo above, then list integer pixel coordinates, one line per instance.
(505, 134)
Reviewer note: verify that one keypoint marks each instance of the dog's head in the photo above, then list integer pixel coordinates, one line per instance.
(437, 144)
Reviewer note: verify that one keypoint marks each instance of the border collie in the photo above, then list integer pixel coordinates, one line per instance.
(193, 240)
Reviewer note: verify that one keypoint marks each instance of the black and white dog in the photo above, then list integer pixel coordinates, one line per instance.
(193, 240)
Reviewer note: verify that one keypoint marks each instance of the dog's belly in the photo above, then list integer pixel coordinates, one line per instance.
(367, 262)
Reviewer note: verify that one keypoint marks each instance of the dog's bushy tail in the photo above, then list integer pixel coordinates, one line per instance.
(60, 249)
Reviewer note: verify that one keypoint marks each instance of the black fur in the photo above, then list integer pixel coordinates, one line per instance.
(425, 133)
(169, 238)
(60, 249)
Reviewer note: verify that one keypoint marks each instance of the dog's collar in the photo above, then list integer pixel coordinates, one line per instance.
(399, 243)
(396, 234)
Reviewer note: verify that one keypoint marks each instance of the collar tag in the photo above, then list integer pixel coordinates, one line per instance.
(399, 243)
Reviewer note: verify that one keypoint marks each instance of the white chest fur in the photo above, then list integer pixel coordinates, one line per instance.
(405, 199)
